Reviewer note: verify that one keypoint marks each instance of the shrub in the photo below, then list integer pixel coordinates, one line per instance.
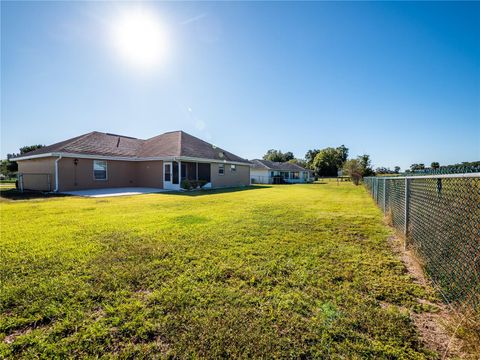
(186, 184)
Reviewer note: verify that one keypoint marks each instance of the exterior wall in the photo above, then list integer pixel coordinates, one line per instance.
(38, 174)
(150, 174)
(260, 176)
(241, 177)
(80, 176)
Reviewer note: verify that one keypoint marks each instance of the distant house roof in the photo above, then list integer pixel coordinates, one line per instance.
(275, 166)
(170, 144)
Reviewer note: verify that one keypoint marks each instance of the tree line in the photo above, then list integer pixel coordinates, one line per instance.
(327, 162)
(9, 168)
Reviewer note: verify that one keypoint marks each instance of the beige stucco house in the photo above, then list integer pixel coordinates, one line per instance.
(103, 160)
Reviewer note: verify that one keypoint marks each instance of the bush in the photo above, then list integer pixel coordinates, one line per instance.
(185, 184)
(192, 184)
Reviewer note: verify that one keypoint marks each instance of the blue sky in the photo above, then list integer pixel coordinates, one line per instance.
(398, 81)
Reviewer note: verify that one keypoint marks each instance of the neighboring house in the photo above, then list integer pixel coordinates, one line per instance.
(269, 172)
(102, 160)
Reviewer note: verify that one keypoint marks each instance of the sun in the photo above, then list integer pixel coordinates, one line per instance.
(139, 38)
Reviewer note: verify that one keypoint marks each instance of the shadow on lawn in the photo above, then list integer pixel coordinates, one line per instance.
(14, 194)
(217, 191)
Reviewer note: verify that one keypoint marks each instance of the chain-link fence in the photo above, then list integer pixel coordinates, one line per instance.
(440, 218)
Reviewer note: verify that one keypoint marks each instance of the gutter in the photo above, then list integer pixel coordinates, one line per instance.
(56, 173)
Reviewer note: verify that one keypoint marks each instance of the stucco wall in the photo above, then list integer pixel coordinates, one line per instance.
(150, 174)
(35, 172)
(80, 176)
(241, 177)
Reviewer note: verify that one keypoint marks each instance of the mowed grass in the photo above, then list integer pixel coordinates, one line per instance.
(280, 271)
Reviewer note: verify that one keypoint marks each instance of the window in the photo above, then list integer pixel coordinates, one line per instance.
(168, 172)
(233, 167)
(175, 172)
(99, 170)
(221, 169)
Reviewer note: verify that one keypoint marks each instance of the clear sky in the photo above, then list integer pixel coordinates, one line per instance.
(398, 81)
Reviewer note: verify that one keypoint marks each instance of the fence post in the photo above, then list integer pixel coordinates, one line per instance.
(384, 195)
(407, 207)
(20, 182)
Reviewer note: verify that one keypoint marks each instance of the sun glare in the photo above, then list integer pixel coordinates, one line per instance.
(139, 38)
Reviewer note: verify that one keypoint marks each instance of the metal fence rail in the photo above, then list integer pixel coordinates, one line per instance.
(440, 218)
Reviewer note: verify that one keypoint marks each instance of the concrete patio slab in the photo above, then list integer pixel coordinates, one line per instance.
(99, 193)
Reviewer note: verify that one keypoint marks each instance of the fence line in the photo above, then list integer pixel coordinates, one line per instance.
(440, 218)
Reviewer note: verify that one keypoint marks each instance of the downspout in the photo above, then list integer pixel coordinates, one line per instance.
(56, 173)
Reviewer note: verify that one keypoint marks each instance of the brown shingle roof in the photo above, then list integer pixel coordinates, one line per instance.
(176, 143)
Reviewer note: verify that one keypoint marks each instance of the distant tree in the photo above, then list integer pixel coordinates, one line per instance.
(9, 167)
(288, 156)
(299, 162)
(310, 156)
(278, 156)
(327, 161)
(396, 169)
(366, 165)
(415, 167)
(342, 151)
(26, 149)
(353, 169)
(435, 165)
(383, 170)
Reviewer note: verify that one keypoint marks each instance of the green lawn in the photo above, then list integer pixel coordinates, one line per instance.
(280, 271)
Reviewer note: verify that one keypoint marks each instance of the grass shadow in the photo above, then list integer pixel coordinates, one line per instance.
(14, 194)
(217, 191)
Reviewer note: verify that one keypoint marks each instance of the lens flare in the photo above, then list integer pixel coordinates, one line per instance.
(139, 38)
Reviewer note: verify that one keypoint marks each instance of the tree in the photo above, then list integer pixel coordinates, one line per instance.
(278, 156)
(366, 165)
(342, 151)
(310, 156)
(353, 169)
(9, 167)
(327, 161)
(299, 162)
(26, 149)
(435, 165)
(415, 167)
(396, 169)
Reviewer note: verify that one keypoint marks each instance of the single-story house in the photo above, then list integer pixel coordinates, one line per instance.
(270, 172)
(103, 160)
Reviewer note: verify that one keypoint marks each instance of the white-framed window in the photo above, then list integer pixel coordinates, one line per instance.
(233, 167)
(99, 169)
(221, 169)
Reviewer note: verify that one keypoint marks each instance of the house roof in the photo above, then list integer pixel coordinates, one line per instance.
(276, 166)
(170, 144)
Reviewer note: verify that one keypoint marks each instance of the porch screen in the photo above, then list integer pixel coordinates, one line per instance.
(175, 172)
(204, 172)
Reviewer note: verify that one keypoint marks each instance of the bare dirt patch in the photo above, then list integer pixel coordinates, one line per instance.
(432, 323)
